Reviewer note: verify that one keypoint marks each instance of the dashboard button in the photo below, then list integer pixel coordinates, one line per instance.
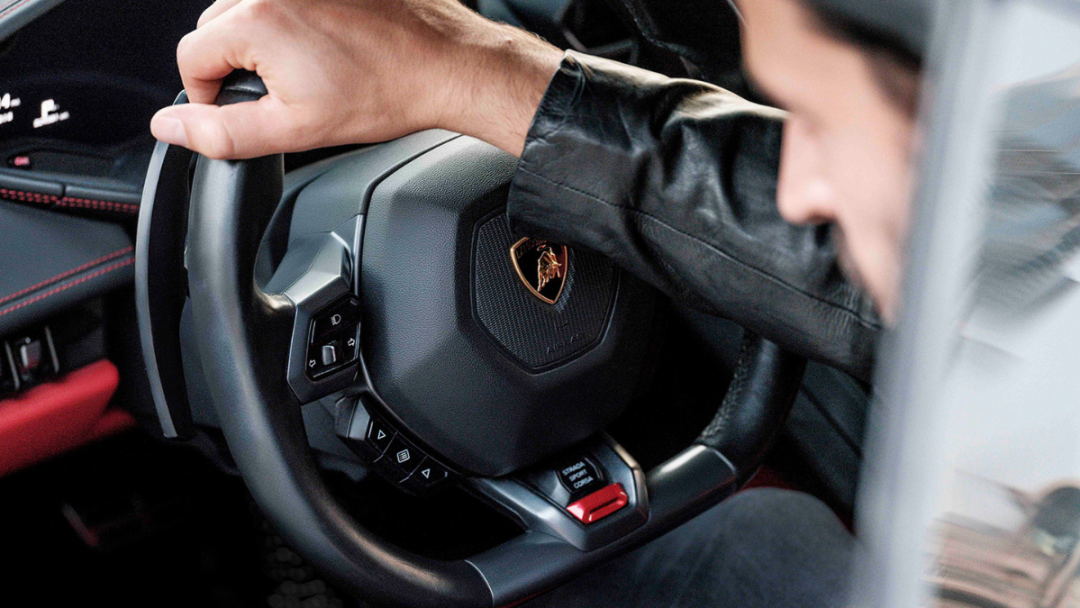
(30, 355)
(34, 356)
(20, 161)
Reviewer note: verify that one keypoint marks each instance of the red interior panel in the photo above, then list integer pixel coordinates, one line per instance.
(55, 417)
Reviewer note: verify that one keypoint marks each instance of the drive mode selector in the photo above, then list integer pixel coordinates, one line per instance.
(579, 477)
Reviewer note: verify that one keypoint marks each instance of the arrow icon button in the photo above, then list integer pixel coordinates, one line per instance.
(379, 435)
(429, 473)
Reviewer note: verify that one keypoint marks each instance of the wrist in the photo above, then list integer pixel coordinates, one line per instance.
(500, 87)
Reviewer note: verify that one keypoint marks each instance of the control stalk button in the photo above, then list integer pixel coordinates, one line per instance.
(402, 456)
(428, 476)
(379, 435)
(337, 320)
(330, 353)
(333, 343)
(429, 473)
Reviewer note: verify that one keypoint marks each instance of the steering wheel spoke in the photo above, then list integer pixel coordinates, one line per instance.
(589, 498)
(324, 349)
(557, 545)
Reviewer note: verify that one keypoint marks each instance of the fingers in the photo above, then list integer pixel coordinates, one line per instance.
(221, 45)
(243, 130)
(216, 9)
(207, 55)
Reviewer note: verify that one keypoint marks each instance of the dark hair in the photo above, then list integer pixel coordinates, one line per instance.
(895, 66)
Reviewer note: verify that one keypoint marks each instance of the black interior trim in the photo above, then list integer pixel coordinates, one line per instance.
(49, 263)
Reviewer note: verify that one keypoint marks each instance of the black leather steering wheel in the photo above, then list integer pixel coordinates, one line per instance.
(255, 337)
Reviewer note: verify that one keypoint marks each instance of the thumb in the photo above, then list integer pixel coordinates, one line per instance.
(237, 131)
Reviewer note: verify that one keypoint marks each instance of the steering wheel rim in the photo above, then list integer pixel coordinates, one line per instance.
(243, 354)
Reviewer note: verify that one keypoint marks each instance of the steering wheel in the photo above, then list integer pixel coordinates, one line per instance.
(406, 303)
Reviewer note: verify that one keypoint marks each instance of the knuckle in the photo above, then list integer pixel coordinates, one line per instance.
(205, 16)
(225, 142)
(213, 141)
(263, 11)
(183, 50)
(215, 150)
(218, 149)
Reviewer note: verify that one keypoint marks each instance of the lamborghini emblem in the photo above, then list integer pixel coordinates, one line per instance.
(541, 266)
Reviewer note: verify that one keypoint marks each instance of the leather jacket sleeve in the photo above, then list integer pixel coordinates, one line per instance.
(675, 180)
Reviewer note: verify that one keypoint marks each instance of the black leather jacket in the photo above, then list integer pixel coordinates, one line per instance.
(675, 180)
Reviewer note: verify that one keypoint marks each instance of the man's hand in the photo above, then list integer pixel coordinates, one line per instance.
(354, 71)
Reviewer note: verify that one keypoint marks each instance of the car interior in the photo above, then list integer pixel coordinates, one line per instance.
(357, 393)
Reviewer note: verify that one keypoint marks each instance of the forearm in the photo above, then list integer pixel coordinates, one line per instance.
(676, 181)
(505, 73)
(355, 71)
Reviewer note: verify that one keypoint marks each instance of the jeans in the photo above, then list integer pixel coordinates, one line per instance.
(760, 548)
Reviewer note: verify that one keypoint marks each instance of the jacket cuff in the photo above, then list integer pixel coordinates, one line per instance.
(675, 181)
(538, 191)
(593, 120)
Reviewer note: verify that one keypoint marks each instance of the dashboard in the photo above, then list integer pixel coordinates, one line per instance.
(77, 90)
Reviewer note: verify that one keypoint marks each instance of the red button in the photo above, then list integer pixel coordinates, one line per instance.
(599, 504)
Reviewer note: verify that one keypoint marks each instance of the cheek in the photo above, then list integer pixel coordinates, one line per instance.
(873, 182)
(872, 186)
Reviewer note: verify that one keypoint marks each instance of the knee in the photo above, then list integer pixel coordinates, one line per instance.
(774, 507)
(789, 521)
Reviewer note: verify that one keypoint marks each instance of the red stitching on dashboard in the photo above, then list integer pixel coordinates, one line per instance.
(68, 201)
(12, 8)
(28, 197)
(56, 290)
(66, 274)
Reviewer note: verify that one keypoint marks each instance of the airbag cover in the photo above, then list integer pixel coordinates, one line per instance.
(488, 394)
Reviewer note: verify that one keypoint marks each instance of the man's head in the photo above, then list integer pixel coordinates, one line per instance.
(851, 91)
